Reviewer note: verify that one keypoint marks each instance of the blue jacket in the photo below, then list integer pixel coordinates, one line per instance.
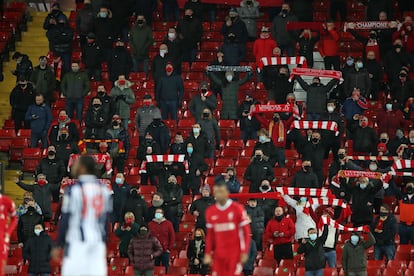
(351, 107)
(40, 117)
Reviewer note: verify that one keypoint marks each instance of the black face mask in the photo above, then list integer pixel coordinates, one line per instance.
(265, 188)
(249, 3)
(205, 115)
(97, 106)
(279, 218)
(232, 38)
(233, 18)
(383, 214)
(115, 123)
(23, 86)
(315, 140)
(198, 238)
(276, 119)
(63, 136)
(134, 194)
(402, 75)
(307, 168)
(51, 153)
(383, 140)
(188, 17)
(373, 36)
(397, 46)
(143, 232)
(258, 157)
(410, 190)
(204, 91)
(341, 156)
(139, 22)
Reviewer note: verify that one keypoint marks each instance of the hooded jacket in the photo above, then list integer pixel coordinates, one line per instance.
(140, 250)
(37, 251)
(163, 230)
(354, 258)
(123, 97)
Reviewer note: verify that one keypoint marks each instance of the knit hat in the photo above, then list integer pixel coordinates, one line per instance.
(233, 11)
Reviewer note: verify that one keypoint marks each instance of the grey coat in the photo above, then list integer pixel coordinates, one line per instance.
(144, 117)
(249, 15)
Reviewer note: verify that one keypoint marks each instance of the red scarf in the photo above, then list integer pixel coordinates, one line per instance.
(177, 158)
(82, 144)
(326, 220)
(272, 108)
(268, 61)
(369, 25)
(316, 73)
(100, 158)
(327, 125)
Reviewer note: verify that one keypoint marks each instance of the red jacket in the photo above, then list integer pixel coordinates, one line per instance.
(263, 48)
(265, 123)
(406, 37)
(164, 232)
(285, 226)
(389, 121)
(328, 45)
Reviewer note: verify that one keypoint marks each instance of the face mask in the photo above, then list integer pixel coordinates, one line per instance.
(383, 214)
(373, 167)
(315, 140)
(276, 119)
(359, 65)
(62, 118)
(384, 141)
(349, 62)
(103, 14)
(188, 17)
(306, 36)
(279, 218)
(115, 123)
(171, 35)
(42, 63)
(101, 93)
(284, 11)
(37, 232)
(264, 188)
(140, 22)
(63, 136)
(363, 186)
(97, 106)
(121, 82)
(307, 168)
(330, 109)
(354, 239)
(41, 182)
(388, 107)
(258, 157)
(196, 130)
(229, 78)
(190, 150)
(129, 221)
(158, 216)
(385, 186)
(147, 103)
(119, 181)
(399, 134)
(163, 52)
(313, 237)
(412, 140)
(397, 47)
(262, 139)
(75, 69)
(364, 124)
(303, 199)
(143, 232)
(373, 36)
(341, 156)
(410, 190)
(206, 115)
(198, 238)
(51, 153)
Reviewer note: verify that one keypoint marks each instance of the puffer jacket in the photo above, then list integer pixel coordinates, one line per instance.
(140, 250)
(37, 251)
(84, 20)
(359, 79)
(258, 219)
(26, 225)
(354, 258)
(144, 117)
(122, 103)
(249, 15)
(60, 39)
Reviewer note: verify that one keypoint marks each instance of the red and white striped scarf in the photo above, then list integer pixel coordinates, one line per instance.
(327, 125)
(272, 108)
(325, 201)
(402, 164)
(308, 192)
(176, 158)
(268, 61)
(326, 220)
(100, 158)
(373, 158)
(316, 73)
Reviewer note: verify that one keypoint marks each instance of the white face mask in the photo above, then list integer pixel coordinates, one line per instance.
(229, 78)
(412, 140)
(163, 52)
(171, 35)
(330, 109)
(386, 186)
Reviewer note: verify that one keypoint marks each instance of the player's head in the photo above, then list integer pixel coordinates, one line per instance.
(221, 192)
(84, 165)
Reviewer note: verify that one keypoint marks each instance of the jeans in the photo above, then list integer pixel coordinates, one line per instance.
(331, 258)
(95, 73)
(318, 272)
(164, 260)
(281, 158)
(137, 62)
(169, 108)
(72, 105)
(332, 61)
(406, 233)
(143, 272)
(384, 250)
(35, 137)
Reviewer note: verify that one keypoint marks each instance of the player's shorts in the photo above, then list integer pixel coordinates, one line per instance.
(85, 259)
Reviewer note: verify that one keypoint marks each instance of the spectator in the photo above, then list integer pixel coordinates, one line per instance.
(230, 178)
(304, 221)
(329, 46)
(41, 194)
(149, 146)
(197, 7)
(174, 45)
(173, 195)
(199, 206)
(197, 166)
(371, 43)
(219, 60)
(307, 43)
(384, 229)
(280, 230)
(249, 13)
(305, 178)
(24, 66)
(352, 109)
(157, 202)
(75, 86)
(285, 39)
(63, 123)
(53, 169)
(84, 21)
(249, 125)
(354, 258)
(105, 30)
(375, 73)
(402, 87)
(163, 230)
(375, 7)
(91, 57)
(257, 217)
(389, 119)
(60, 38)
(277, 84)
(38, 250)
(40, 118)
(195, 253)
(142, 248)
(395, 143)
(331, 140)
(269, 149)
(232, 50)
(230, 90)
(125, 232)
(258, 170)
(199, 141)
(120, 61)
(384, 35)
(199, 102)
(365, 138)
(122, 96)
(120, 17)
(169, 93)
(394, 60)
(406, 226)
(96, 120)
(178, 146)
(189, 31)
(44, 80)
(159, 63)
(160, 133)
(26, 225)
(330, 244)
(54, 16)
(21, 97)
(65, 147)
(171, 10)
(267, 204)
(406, 34)
(264, 45)
(314, 252)
(338, 6)
(316, 96)
(362, 200)
(118, 150)
(28, 201)
(359, 77)
(145, 115)
(315, 152)
(234, 25)
(210, 127)
(132, 202)
(57, 67)
(141, 41)
(121, 191)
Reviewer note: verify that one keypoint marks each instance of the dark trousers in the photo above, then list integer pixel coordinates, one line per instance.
(18, 117)
(95, 73)
(338, 6)
(55, 189)
(164, 260)
(171, 12)
(249, 134)
(283, 251)
(152, 178)
(35, 137)
(119, 164)
(334, 143)
(169, 109)
(72, 105)
(66, 61)
(332, 61)
(406, 233)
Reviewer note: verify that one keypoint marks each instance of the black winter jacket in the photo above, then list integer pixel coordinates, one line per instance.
(37, 251)
(26, 224)
(54, 169)
(314, 252)
(389, 229)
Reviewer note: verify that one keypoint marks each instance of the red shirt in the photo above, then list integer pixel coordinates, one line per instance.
(228, 230)
(164, 232)
(285, 226)
(7, 211)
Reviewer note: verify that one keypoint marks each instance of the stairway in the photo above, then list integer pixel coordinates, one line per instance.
(35, 44)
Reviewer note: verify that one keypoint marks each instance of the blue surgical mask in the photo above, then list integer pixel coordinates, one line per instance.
(388, 106)
(362, 186)
(103, 14)
(37, 232)
(303, 199)
(118, 180)
(262, 138)
(350, 62)
(359, 65)
(313, 236)
(196, 130)
(354, 239)
(158, 216)
(190, 150)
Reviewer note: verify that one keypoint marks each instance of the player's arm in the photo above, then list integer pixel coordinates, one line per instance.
(244, 230)
(13, 220)
(209, 239)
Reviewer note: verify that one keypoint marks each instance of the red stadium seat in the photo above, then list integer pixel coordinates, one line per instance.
(187, 227)
(133, 180)
(230, 153)
(284, 271)
(31, 158)
(281, 172)
(129, 271)
(234, 144)
(147, 189)
(268, 263)
(174, 270)
(6, 137)
(224, 162)
(393, 271)
(159, 270)
(16, 149)
(184, 262)
(119, 262)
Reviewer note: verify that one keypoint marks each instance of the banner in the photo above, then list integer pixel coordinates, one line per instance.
(82, 144)
(356, 174)
(100, 158)
(222, 68)
(272, 108)
(326, 125)
(316, 73)
(370, 25)
(272, 61)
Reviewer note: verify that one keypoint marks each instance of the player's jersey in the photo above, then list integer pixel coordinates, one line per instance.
(7, 211)
(228, 229)
(86, 208)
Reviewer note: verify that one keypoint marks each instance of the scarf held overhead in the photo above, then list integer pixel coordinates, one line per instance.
(176, 158)
(369, 25)
(82, 144)
(326, 125)
(222, 68)
(272, 108)
(274, 61)
(316, 73)
(326, 220)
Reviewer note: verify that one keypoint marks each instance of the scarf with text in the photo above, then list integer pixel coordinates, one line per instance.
(272, 108)
(82, 144)
(369, 25)
(308, 192)
(222, 68)
(269, 61)
(159, 158)
(316, 73)
(326, 125)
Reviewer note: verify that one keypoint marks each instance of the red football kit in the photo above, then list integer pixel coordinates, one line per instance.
(228, 236)
(8, 221)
